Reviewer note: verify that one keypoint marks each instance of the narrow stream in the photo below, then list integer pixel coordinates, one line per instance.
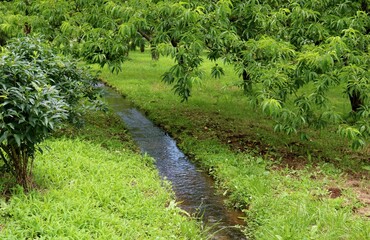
(194, 189)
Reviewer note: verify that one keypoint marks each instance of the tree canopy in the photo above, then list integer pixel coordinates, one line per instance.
(291, 56)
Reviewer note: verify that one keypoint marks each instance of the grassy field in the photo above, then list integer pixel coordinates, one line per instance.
(93, 184)
(218, 107)
(288, 189)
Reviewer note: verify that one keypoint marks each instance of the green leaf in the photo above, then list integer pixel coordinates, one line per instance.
(217, 71)
(17, 139)
(349, 132)
(4, 136)
(271, 106)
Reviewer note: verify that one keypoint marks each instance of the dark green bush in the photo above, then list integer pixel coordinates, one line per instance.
(38, 90)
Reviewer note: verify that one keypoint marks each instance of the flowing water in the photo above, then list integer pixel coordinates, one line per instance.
(194, 189)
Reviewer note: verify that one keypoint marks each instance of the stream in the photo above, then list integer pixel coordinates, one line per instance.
(195, 190)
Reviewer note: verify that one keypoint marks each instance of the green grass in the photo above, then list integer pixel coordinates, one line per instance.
(220, 131)
(220, 106)
(287, 204)
(92, 184)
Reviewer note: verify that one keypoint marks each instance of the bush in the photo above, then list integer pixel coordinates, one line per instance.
(74, 83)
(39, 89)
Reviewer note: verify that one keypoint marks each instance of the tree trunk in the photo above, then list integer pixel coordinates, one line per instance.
(364, 6)
(20, 160)
(142, 47)
(27, 28)
(132, 46)
(247, 83)
(154, 52)
(356, 101)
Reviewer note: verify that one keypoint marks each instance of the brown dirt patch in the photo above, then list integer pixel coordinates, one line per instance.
(364, 211)
(362, 190)
(334, 192)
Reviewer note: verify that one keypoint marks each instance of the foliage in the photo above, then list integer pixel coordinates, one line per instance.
(280, 201)
(276, 47)
(280, 47)
(30, 109)
(219, 106)
(74, 82)
(38, 91)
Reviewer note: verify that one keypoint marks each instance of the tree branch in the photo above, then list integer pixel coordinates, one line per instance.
(145, 35)
(4, 159)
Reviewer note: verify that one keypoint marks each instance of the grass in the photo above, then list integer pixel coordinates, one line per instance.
(92, 184)
(221, 108)
(287, 204)
(289, 192)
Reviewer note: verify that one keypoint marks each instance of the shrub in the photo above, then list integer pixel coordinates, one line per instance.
(38, 90)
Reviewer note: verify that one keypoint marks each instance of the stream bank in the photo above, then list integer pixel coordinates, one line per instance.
(279, 202)
(194, 189)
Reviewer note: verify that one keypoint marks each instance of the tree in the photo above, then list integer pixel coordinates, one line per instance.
(283, 47)
(38, 91)
(278, 48)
